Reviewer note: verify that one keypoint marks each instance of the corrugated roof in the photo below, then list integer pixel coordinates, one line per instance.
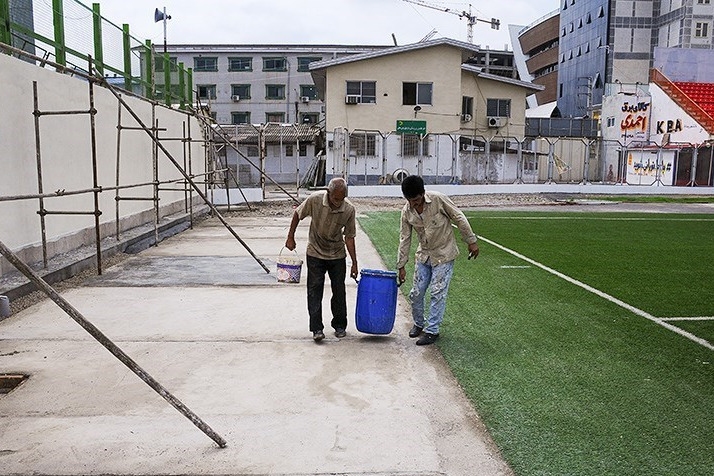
(274, 133)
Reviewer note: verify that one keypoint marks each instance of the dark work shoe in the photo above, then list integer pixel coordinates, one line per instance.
(415, 331)
(427, 339)
(340, 333)
(317, 336)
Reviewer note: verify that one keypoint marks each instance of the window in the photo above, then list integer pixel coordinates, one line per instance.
(240, 64)
(288, 150)
(365, 90)
(467, 105)
(159, 63)
(241, 90)
(252, 151)
(416, 93)
(309, 117)
(275, 117)
(363, 144)
(201, 63)
(274, 91)
(275, 64)
(206, 91)
(410, 145)
(308, 90)
(303, 149)
(703, 2)
(303, 63)
(240, 118)
(611, 121)
(498, 107)
(701, 30)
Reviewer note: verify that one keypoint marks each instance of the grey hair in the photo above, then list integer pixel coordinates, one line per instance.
(337, 183)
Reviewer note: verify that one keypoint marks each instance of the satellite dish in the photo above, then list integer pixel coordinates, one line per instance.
(399, 175)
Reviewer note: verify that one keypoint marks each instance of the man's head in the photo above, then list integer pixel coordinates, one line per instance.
(336, 192)
(413, 190)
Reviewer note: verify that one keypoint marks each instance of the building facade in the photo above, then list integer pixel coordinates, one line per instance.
(244, 84)
(614, 41)
(427, 108)
(535, 49)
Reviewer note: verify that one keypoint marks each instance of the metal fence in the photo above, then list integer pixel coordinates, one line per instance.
(70, 33)
(371, 158)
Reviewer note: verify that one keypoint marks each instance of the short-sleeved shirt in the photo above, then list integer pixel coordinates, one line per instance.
(328, 226)
(434, 230)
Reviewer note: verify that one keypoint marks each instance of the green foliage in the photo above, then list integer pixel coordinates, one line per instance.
(566, 381)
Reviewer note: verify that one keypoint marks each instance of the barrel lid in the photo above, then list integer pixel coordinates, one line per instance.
(379, 272)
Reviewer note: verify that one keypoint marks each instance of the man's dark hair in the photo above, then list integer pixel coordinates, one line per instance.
(412, 186)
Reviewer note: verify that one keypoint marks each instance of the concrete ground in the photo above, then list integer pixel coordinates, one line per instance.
(203, 318)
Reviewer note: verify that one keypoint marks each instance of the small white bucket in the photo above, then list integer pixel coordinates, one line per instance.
(289, 268)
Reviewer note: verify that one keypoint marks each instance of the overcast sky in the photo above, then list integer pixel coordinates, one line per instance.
(368, 22)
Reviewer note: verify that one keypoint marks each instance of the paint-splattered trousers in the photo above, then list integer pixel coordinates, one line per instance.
(436, 279)
(336, 270)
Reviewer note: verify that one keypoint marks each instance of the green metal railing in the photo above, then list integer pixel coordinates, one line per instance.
(68, 32)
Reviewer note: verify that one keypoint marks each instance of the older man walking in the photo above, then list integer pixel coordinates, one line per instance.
(331, 230)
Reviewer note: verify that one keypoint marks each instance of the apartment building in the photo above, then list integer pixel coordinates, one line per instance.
(614, 41)
(245, 84)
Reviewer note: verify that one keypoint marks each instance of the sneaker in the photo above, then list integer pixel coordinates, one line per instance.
(427, 339)
(415, 331)
(317, 336)
(340, 333)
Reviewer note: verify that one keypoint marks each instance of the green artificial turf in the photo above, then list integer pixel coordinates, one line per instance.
(567, 382)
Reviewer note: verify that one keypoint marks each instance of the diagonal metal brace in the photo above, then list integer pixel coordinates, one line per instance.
(181, 170)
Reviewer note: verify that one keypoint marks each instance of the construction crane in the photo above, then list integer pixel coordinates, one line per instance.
(470, 19)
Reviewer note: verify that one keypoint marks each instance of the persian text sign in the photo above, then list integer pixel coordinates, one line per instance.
(634, 118)
(411, 127)
(645, 167)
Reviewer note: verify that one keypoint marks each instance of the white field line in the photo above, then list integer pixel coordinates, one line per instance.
(612, 299)
(653, 218)
(702, 318)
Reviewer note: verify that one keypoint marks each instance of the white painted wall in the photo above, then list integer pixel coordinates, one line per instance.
(684, 128)
(66, 155)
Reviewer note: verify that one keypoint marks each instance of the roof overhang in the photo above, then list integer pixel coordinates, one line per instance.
(515, 82)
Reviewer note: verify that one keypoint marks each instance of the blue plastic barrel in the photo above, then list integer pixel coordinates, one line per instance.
(376, 301)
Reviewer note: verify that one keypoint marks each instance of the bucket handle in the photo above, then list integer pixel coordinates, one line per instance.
(293, 251)
(398, 283)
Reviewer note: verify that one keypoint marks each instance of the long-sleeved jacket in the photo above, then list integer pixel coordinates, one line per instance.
(433, 229)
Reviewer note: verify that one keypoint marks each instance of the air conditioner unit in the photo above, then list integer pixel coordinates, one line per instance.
(305, 99)
(466, 118)
(235, 98)
(351, 99)
(495, 122)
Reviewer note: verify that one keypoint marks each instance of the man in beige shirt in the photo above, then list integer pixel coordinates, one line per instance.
(333, 216)
(430, 214)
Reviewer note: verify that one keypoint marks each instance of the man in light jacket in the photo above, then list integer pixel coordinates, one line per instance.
(430, 214)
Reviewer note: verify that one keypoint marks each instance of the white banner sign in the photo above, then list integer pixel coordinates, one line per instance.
(644, 167)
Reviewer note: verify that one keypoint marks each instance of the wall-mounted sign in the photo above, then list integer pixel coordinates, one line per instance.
(411, 127)
(645, 167)
(634, 118)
